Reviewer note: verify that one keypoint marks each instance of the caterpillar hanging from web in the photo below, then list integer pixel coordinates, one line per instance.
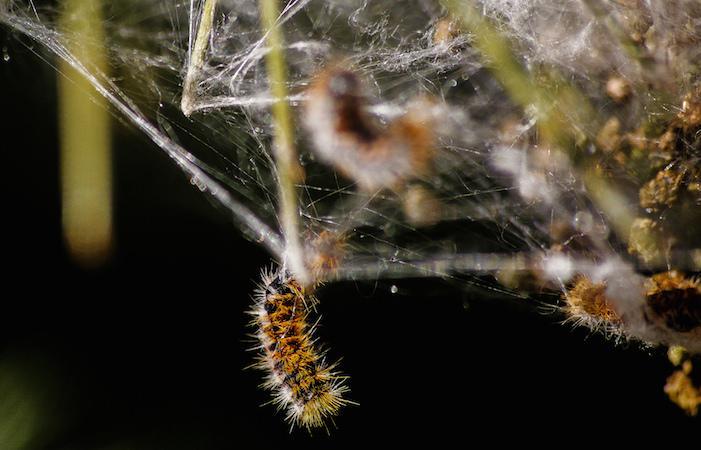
(303, 384)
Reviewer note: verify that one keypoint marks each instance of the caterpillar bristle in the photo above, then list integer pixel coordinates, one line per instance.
(303, 384)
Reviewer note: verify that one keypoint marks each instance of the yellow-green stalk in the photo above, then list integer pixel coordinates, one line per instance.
(289, 172)
(85, 138)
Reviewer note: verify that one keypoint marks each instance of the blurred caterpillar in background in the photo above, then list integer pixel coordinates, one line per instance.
(345, 137)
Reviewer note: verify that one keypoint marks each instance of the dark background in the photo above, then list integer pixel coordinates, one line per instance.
(149, 351)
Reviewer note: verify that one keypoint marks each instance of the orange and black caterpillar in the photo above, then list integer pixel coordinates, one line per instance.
(302, 383)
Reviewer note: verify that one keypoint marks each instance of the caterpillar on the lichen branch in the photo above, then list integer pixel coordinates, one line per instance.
(309, 390)
(668, 310)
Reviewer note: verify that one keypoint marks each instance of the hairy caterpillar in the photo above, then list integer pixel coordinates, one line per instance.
(587, 305)
(302, 383)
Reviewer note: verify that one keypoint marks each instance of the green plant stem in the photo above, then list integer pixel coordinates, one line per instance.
(289, 171)
(85, 138)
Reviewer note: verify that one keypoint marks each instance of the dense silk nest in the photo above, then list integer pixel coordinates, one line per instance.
(473, 140)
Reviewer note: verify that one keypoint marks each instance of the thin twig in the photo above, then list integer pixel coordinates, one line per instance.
(196, 57)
